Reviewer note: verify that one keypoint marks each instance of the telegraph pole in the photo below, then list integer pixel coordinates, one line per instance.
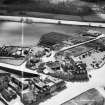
(22, 44)
(22, 37)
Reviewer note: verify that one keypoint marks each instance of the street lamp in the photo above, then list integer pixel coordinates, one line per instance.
(22, 43)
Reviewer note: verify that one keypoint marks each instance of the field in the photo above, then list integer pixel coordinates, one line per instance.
(12, 61)
(11, 32)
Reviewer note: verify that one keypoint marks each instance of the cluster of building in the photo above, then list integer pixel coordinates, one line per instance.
(7, 94)
(69, 71)
(40, 89)
(14, 51)
(94, 59)
(70, 65)
(31, 90)
(64, 68)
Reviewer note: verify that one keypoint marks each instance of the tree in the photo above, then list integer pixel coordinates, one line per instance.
(15, 1)
(93, 0)
(84, 11)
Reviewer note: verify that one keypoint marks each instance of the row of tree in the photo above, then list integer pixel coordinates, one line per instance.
(63, 7)
(93, 0)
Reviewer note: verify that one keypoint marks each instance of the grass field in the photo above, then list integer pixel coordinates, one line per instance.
(15, 62)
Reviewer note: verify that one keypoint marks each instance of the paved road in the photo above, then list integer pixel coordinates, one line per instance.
(50, 21)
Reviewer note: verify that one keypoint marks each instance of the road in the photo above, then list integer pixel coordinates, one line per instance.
(50, 21)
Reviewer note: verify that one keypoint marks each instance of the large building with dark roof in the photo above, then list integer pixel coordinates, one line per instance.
(52, 38)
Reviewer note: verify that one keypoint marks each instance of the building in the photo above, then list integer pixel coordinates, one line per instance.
(4, 80)
(50, 39)
(90, 97)
(53, 65)
(28, 97)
